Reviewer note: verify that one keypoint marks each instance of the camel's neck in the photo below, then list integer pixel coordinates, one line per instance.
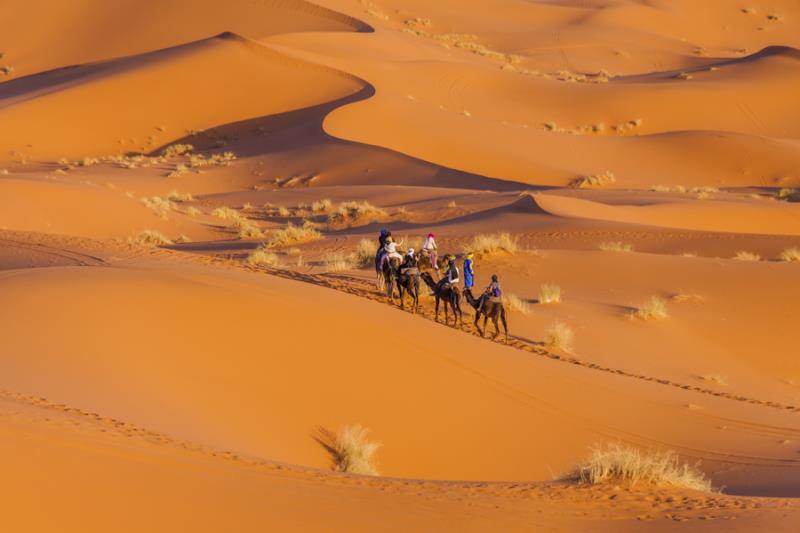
(429, 282)
(470, 299)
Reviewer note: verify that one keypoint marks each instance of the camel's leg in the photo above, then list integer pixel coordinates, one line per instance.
(503, 318)
(446, 315)
(437, 309)
(416, 295)
(402, 295)
(485, 319)
(496, 326)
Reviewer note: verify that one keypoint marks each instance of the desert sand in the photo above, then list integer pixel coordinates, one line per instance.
(173, 359)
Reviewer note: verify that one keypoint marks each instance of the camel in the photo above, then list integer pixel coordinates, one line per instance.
(424, 262)
(451, 296)
(490, 309)
(390, 272)
(408, 281)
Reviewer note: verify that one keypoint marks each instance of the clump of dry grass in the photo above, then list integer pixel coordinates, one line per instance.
(250, 231)
(747, 256)
(338, 262)
(180, 196)
(353, 213)
(595, 180)
(515, 304)
(353, 452)
(150, 237)
(161, 206)
(616, 246)
(175, 150)
(790, 255)
(619, 462)
(490, 244)
(653, 309)
(549, 293)
(365, 253)
(292, 234)
(182, 238)
(226, 213)
(262, 257)
(559, 337)
(192, 211)
(321, 206)
(179, 170)
(8, 70)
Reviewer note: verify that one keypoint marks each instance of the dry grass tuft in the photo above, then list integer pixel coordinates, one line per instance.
(353, 452)
(263, 257)
(654, 309)
(226, 213)
(559, 337)
(622, 463)
(175, 150)
(250, 231)
(338, 262)
(292, 234)
(549, 293)
(616, 246)
(180, 196)
(321, 206)
(747, 256)
(192, 211)
(515, 304)
(356, 213)
(790, 255)
(595, 180)
(150, 237)
(364, 255)
(486, 245)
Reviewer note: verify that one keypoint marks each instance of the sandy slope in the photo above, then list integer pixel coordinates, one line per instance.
(190, 386)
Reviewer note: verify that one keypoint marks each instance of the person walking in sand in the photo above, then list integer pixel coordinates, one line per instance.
(469, 275)
(430, 247)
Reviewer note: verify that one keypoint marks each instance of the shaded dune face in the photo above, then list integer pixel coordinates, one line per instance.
(190, 198)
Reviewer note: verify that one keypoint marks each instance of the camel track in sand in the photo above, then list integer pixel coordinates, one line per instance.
(357, 287)
(366, 289)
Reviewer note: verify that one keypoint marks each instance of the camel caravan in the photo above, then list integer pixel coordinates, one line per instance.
(403, 272)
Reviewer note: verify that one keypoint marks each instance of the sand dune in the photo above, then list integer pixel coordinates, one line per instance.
(637, 155)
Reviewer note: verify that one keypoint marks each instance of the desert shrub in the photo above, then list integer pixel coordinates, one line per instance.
(486, 245)
(559, 337)
(150, 237)
(338, 261)
(655, 308)
(353, 213)
(790, 255)
(182, 238)
(747, 256)
(616, 246)
(321, 206)
(515, 304)
(192, 211)
(292, 234)
(364, 255)
(549, 293)
(161, 206)
(174, 150)
(250, 231)
(226, 213)
(263, 257)
(619, 462)
(180, 196)
(353, 452)
(595, 180)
